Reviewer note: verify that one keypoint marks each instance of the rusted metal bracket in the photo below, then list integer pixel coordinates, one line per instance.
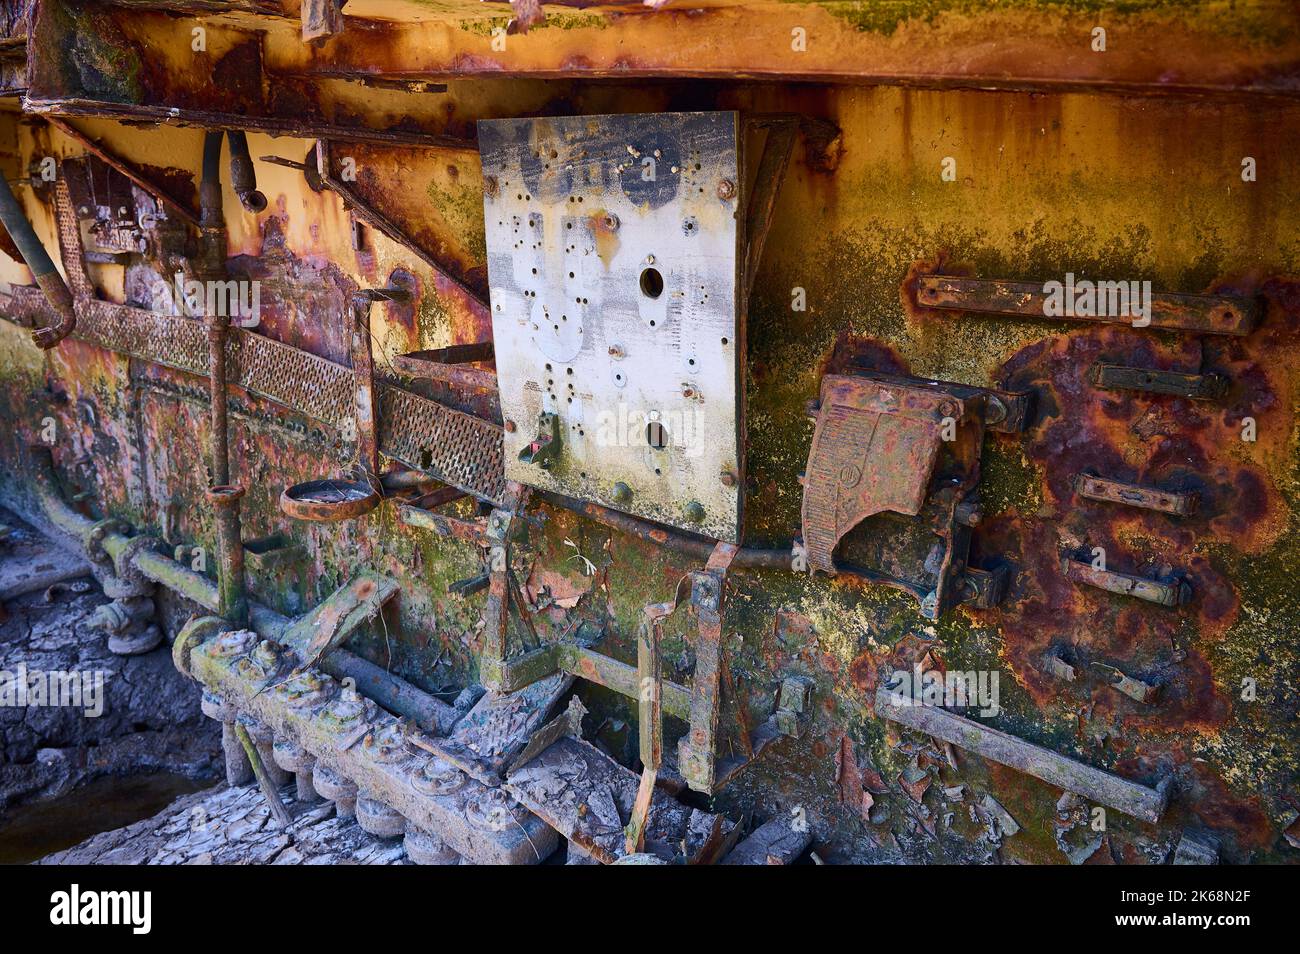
(697, 750)
(1007, 412)
(1197, 387)
(1135, 495)
(1128, 797)
(338, 617)
(382, 223)
(1208, 314)
(885, 445)
(1172, 592)
(503, 590)
(449, 365)
(363, 373)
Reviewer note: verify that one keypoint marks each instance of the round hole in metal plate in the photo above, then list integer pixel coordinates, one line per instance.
(652, 283)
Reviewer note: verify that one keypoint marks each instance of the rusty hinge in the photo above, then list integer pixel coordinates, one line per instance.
(1111, 302)
(1172, 591)
(1134, 495)
(1198, 387)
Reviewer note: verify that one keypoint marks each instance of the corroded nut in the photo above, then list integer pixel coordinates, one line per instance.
(426, 849)
(291, 756)
(332, 784)
(214, 707)
(378, 819)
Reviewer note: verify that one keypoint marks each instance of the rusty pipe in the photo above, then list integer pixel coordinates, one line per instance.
(243, 176)
(696, 547)
(212, 266)
(47, 277)
(218, 331)
(232, 594)
(392, 692)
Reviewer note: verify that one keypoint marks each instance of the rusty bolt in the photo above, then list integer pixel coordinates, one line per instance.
(510, 427)
(728, 478)
(490, 186)
(726, 189)
(611, 221)
(616, 351)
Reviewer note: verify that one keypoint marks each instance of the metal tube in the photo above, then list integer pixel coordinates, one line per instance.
(218, 331)
(231, 591)
(699, 548)
(243, 176)
(212, 267)
(47, 277)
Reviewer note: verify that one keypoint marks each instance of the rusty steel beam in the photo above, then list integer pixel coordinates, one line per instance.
(377, 220)
(1173, 592)
(1128, 797)
(1208, 314)
(1197, 387)
(449, 366)
(1135, 495)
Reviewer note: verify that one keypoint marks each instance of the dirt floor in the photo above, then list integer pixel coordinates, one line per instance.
(119, 756)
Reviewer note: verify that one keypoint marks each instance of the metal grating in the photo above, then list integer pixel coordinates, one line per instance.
(462, 450)
(291, 376)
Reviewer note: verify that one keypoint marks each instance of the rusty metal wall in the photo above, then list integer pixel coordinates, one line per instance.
(1096, 183)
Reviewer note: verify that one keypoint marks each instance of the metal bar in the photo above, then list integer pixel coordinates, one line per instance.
(1198, 387)
(767, 184)
(418, 365)
(1135, 495)
(1171, 593)
(1131, 798)
(377, 220)
(586, 663)
(1211, 314)
(363, 374)
(37, 259)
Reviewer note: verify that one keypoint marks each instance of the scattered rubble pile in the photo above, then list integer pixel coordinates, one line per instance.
(233, 825)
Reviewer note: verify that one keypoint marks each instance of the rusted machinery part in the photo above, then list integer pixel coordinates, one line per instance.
(43, 271)
(328, 501)
(243, 177)
(210, 215)
(232, 592)
(393, 693)
(198, 630)
(695, 547)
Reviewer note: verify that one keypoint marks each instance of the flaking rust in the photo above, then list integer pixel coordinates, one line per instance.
(600, 458)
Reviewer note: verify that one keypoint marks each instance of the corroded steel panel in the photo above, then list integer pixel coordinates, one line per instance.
(612, 260)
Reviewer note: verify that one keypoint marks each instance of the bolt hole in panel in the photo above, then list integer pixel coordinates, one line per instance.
(612, 260)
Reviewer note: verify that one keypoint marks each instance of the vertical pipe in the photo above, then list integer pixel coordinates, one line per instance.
(42, 267)
(231, 592)
(211, 267)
